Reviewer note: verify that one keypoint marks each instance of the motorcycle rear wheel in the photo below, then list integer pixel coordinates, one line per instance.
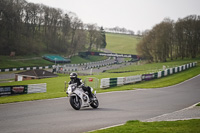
(75, 103)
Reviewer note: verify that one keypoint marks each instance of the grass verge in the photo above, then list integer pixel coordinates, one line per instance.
(184, 126)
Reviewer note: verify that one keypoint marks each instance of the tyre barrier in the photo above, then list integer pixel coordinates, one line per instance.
(24, 68)
(112, 82)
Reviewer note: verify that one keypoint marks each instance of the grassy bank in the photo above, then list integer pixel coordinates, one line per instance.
(141, 67)
(22, 61)
(119, 43)
(25, 61)
(186, 126)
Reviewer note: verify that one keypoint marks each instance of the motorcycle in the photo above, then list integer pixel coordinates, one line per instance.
(79, 98)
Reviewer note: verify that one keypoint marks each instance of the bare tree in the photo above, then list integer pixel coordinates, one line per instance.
(172, 40)
(76, 24)
(92, 35)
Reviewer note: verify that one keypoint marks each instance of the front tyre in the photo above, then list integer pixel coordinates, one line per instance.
(95, 103)
(75, 102)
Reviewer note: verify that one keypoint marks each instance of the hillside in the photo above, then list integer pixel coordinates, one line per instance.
(121, 43)
(117, 43)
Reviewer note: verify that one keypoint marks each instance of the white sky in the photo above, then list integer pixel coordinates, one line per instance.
(130, 14)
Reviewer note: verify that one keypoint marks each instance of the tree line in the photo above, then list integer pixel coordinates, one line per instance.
(28, 28)
(171, 40)
(117, 29)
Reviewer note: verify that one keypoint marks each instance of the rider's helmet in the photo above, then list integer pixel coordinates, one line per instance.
(73, 76)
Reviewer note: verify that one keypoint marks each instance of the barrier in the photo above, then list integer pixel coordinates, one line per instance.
(65, 67)
(37, 88)
(84, 54)
(13, 90)
(147, 77)
(25, 68)
(22, 89)
(111, 82)
(132, 79)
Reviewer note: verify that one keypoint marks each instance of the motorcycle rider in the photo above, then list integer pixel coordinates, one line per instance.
(74, 79)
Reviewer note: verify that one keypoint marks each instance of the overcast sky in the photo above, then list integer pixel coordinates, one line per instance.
(131, 14)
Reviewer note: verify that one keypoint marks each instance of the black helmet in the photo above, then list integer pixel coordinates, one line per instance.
(73, 75)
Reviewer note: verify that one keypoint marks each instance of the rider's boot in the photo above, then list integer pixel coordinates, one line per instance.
(91, 96)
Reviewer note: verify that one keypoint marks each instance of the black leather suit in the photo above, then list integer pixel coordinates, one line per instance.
(79, 82)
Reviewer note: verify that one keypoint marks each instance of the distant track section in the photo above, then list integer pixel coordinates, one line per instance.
(83, 54)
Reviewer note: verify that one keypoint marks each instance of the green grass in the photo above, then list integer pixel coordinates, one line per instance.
(25, 61)
(185, 126)
(119, 43)
(19, 61)
(78, 59)
(141, 67)
(157, 83)
(55, 86)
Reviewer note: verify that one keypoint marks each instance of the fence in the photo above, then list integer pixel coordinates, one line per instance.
(111, 82)
(92, 82)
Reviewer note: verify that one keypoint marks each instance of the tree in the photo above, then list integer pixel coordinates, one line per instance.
(104, 43)
(76, 24)
(172, 40)
(92, 35)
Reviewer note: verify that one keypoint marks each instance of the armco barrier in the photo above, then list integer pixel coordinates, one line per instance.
(24, 68)
(22, 89)
(111, 82)
(132, 79)
(148, 76)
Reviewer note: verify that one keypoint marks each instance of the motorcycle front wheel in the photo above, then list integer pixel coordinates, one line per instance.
(95, 103)
(75, 102)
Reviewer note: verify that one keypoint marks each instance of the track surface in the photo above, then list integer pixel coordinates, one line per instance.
(56, 115)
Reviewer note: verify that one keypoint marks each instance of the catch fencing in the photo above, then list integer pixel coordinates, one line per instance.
(112, 82)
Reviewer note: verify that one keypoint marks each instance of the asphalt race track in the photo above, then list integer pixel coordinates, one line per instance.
(57, 116)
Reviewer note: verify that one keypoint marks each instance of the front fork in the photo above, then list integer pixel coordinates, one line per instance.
(76, 98)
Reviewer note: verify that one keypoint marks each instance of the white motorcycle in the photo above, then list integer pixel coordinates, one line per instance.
(79, 98)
